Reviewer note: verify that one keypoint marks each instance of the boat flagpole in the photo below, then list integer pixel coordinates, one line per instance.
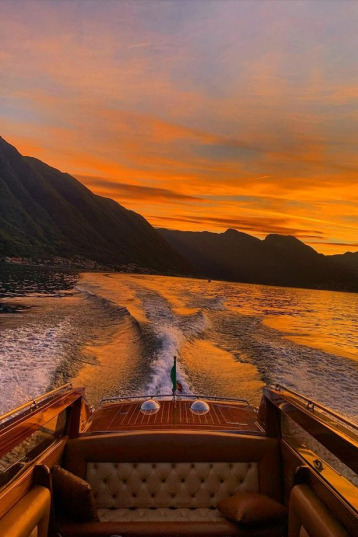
(173, 376)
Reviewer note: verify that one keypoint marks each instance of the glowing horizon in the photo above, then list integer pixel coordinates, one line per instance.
(199, 115)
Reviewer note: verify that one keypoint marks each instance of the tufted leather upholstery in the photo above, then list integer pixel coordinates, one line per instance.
(171, 485)
(179, 447)
(146, 482)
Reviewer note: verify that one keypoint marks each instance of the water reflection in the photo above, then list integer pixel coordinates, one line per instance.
(20, 280)
(118, 333)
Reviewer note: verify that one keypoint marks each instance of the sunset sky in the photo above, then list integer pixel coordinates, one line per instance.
(200, 115)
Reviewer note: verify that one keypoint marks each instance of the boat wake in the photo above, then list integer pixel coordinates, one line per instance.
(118, 335)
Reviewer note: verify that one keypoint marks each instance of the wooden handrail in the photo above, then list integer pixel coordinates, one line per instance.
(24, 425)
(339, 443)
(312, 404)
(30, 404)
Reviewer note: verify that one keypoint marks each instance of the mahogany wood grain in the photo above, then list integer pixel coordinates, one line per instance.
(17, 431)
(296, 471)
(346, 449)
(19, 486)
(127, 416)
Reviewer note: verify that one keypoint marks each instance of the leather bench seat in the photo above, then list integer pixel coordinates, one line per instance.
(167, 529)
(173, 485)
(161, 515)
(169, 483)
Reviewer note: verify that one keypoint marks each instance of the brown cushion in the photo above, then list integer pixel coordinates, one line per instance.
(73, 496)
(252, 508)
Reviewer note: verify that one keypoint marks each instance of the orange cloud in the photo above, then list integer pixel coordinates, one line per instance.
(205, 121)
(136, 192)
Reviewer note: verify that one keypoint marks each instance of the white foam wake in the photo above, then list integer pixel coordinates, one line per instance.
(170, 340)
(172, 332)
(29, 356)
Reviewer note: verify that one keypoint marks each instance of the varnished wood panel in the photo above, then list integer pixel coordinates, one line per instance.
(337, 442)
(127, 416)
(293, 463)
(17, 488)
(18, 430)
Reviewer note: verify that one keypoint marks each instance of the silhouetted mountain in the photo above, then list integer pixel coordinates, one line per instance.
(349, 261)
(45, 212)
(277, 260)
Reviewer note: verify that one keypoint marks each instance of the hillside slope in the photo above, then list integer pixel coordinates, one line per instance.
(349, 261)
(45, 212)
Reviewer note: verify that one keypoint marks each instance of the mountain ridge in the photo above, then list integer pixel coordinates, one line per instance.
(45, 212)
(275, 260)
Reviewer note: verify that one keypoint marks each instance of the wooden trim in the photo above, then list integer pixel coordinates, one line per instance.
(126, 416)
(346, 449)
(74, 420)
(16, 432)
(341, 508)
(21, 484)
(28, 407)
(270, 418)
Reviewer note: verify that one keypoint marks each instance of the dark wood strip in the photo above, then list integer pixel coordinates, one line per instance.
(127, 416)
(15, 490)
(15, 433)
(338, 443)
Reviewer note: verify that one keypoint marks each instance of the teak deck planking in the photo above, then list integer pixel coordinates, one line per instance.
(128, 416)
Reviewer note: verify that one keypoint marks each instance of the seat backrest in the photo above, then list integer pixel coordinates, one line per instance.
(172, 485)
(308, 516)
(174, 469)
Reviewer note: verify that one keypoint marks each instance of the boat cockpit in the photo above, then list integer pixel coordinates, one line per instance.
(177, 465)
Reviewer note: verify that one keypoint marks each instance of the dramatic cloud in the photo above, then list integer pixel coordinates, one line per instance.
(194, 112)
(137, 192)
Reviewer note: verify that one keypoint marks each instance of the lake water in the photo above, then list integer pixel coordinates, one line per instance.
(117, 334)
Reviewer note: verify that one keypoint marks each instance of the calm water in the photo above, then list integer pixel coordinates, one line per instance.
(118, 333)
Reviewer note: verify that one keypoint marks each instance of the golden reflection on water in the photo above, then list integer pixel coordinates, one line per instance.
(323, 320)
(201, 358)
(122, 295)
(322, 337)
(116, 363)
(121, 331)
(229, 338)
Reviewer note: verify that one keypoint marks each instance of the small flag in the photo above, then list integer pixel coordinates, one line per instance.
(173, 374)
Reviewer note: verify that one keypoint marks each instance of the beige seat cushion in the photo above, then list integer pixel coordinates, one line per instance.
(160, 515)
(178, 447)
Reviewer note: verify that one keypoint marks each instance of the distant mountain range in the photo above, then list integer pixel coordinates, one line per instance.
(45, 213)
(349, 261)
(276, 260)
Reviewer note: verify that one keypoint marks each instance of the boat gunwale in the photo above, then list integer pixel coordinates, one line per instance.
(181, 396)
(311, 404)
(32, 405)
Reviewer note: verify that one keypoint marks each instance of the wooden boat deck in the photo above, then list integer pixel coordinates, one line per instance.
(127, 416)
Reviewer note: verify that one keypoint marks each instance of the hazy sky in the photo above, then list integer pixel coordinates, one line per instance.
(198, 114)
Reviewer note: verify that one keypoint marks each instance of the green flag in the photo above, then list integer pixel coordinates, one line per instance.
(173, 374)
